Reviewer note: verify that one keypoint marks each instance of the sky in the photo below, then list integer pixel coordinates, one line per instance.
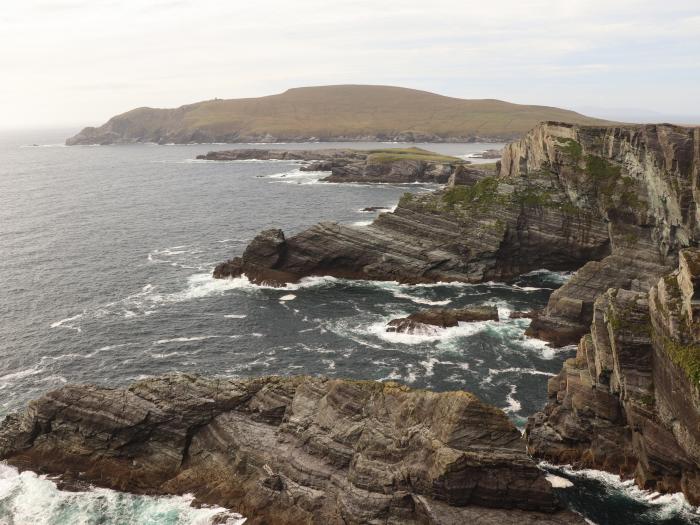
(79, 62)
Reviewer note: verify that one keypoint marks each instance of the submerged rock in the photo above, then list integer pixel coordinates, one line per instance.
(291, 449)
(441, 318)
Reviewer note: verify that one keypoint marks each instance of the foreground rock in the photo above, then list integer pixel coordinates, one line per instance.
(291, 449)
(432, 318)
(630, 400)
(390, 165)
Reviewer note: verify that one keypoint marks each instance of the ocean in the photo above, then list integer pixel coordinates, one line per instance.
(107, 253)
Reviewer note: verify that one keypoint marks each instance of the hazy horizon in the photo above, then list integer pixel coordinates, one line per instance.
(77, 63)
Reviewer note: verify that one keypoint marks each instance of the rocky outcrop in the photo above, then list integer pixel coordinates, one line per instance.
(423, 320)
(390, 165)
(291, 450)
(482, 228)
(630, 400)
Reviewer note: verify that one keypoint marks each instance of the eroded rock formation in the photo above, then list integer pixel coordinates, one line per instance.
(291, 450)
(641, 180)
(629, 402)
(484, 228)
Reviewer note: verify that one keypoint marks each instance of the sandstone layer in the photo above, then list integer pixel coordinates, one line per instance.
(291, 450)
(629, 402)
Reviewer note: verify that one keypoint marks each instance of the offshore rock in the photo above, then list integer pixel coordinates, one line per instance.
(390, 165)
(630, 401)
(290, 450)
(432, 318)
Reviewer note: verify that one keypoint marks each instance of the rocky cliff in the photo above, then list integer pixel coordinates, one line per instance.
(291, 450)
(391, 165)
(478, 228)
(642, 181)
(630, 400)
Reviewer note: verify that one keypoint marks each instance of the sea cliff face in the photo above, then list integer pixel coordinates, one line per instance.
(642, 181)
(629, 402)
(291, 450)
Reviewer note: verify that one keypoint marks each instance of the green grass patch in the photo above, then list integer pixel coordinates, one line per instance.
(379, 156)
(484, 192)
(571, 148)
(685, 356)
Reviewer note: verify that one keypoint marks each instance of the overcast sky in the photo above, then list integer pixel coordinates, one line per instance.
(76, 62)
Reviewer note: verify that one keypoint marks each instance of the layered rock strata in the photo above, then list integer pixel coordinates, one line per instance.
(642, 180)
(487, 228)
(629, 402)
(291, 450)
(432, 318)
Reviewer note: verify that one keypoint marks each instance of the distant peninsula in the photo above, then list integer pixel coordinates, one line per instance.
(329, 113)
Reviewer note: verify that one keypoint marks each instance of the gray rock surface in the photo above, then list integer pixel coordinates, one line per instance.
(290, 450)
(630, 400)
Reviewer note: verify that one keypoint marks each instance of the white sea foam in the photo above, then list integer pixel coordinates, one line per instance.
(288, 297)
(513, 404)
(419, 300)
(663, 506)
(299, 177)
(361, 223)
(426, 334)
(10, 379)
(558, 482)
(184, 339)
(68, 323)
(235, 316)
(31, 499)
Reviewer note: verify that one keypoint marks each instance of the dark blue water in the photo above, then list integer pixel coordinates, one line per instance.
(106, 266)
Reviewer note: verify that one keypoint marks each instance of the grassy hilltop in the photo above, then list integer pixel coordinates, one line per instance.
(349, 112)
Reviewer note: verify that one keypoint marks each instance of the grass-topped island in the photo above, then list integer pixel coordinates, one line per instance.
(354, 165)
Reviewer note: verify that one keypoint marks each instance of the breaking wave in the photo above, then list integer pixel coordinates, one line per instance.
(27, 498)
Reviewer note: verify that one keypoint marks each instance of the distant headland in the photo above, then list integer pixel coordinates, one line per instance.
(329, 113)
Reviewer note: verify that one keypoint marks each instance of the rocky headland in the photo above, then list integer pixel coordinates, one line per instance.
(346, 113)
(618, 204)
(291, 450)
(389, 165)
